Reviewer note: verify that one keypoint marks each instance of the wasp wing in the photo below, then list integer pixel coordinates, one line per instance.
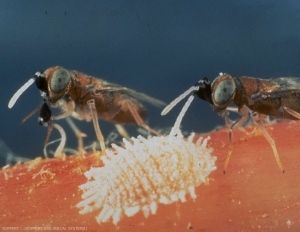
(96, 90)
(282, 84)
(278, 87)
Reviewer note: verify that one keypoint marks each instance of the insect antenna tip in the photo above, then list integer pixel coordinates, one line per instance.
(15, 97)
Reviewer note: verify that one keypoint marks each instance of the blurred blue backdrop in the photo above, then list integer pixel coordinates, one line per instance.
(160, 48)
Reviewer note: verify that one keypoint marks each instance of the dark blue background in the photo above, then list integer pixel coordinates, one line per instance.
(158, 47)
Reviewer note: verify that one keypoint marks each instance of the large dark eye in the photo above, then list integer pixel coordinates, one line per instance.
(59, 80)
(224, 91)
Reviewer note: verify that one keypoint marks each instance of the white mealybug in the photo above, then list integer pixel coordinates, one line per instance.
(147, 172)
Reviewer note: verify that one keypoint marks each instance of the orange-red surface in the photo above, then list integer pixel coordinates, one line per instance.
(253, 194)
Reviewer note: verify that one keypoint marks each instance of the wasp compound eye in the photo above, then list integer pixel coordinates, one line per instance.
(59, 80)
(224, 92)
(45, 115)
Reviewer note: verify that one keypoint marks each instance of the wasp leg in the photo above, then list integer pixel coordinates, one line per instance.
(140, 121)
(264, 118)
(99, 135)
(59, 150)
(122, 131)
(243, 111)
(70, 106)
(31, 113)
(292, 112)
(227, 123)
(151, 130)
(65, 113)
(50, 128)
(233, 109)
(78, 134)
(268, 138)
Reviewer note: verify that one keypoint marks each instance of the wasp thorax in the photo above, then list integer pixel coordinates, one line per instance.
(59, 80)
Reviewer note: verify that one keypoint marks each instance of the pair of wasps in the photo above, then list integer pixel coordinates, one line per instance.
(88, 98)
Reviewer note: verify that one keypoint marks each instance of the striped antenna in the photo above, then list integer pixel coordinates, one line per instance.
(19, 92)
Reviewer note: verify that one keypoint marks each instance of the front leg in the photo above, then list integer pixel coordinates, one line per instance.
(68, 109)
(244, 112)
(46, 118)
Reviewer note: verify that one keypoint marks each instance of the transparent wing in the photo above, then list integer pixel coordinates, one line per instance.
(284, 84)
(96, 90)
(279, 87)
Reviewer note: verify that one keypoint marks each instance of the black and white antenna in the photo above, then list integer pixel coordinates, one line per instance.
(203, 91)
(16, 96)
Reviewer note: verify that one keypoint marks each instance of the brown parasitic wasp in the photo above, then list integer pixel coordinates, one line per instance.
(277, 97)
(86, 98)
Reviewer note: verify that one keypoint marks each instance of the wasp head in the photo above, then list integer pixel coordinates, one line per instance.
(54, 83)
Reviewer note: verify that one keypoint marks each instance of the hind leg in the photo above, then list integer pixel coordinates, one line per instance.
(122, 131)
(139, 120)
(292, 112)
(256, 118)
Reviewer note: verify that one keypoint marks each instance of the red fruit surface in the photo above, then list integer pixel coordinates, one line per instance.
(253, 194)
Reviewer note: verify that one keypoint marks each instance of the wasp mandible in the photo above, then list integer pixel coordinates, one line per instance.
(86, 98)
(276, 97)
